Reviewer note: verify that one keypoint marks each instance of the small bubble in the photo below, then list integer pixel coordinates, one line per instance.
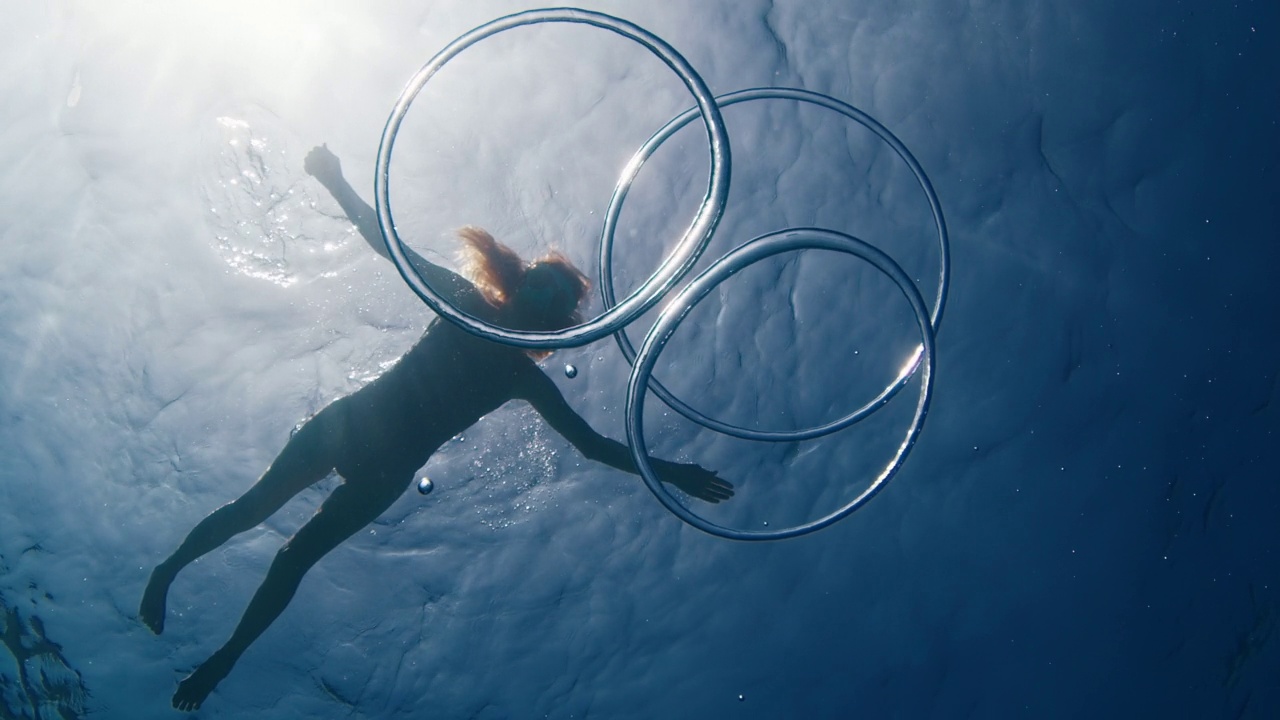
(740, 698)
(425, 486)
(570, 371)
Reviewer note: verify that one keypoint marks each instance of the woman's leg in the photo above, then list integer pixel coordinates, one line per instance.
(351, 507)
(307, 458)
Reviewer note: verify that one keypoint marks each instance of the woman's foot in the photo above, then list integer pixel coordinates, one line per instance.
(193, 691)
(152, 609)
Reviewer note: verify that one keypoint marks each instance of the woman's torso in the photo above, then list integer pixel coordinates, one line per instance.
(443, 385)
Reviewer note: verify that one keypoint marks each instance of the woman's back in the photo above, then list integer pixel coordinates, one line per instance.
(443, 385)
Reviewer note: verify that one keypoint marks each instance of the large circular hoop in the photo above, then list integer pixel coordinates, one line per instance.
(671, 317)
(682, 257)
(615, 209)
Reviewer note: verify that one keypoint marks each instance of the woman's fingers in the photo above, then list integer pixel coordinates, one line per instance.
(697, 482)
(713, 489)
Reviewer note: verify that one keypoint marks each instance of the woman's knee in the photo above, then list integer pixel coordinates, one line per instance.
(300, 552)
(263, 499)
(349, 508)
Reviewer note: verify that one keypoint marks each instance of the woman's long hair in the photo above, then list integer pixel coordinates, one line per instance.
(498, 273)
(495, 269)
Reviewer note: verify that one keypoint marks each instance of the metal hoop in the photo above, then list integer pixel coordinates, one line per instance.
(671, 317)
(615, 209)
(681, 259)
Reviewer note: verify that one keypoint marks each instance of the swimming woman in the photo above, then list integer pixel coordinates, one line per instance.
(379, 436)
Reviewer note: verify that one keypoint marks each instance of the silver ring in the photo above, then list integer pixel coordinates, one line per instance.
(675, 312)
(677, 264)
(615, 209)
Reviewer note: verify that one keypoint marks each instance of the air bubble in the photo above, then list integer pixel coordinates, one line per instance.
(570, 371)
(425, 486)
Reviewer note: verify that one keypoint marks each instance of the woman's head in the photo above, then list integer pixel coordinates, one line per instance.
(543, 295)
(550, 292)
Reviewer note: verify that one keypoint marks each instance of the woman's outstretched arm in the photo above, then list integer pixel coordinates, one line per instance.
(325, 167)
(546, 398)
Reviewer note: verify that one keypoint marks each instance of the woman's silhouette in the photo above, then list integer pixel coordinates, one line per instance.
(377, 437)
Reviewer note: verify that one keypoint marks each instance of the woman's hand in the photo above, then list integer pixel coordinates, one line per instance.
(323, 165)
(695, 480)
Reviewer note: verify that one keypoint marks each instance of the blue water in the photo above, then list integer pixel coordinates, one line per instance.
(1086, 527)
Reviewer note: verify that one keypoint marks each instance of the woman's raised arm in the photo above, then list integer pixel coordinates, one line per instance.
(325, 167)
